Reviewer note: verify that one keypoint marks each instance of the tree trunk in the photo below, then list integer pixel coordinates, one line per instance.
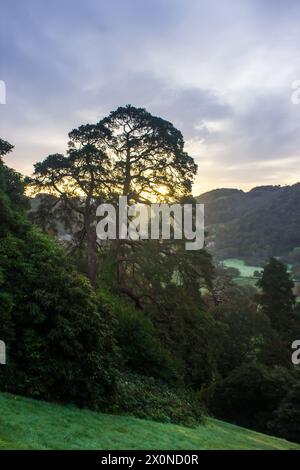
(127, 181)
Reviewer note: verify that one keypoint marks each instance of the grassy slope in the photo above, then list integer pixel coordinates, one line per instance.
(30, 424)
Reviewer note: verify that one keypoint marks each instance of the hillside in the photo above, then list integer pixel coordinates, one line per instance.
(253, 225)
(30, 424)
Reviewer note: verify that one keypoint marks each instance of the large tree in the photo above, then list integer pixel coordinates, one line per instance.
(150, 165)
(130, 153)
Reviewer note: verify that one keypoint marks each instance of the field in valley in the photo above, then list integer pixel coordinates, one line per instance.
(246, 277)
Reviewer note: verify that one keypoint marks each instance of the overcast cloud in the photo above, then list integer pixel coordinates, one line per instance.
(221, 71)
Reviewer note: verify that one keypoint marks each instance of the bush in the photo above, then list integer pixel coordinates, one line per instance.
(148, 398)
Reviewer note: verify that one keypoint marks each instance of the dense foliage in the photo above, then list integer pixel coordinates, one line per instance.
(146, 328)
(146, 397)
(66, 342)
(258, 383)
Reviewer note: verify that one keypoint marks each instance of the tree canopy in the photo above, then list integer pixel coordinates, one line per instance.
(129, 153)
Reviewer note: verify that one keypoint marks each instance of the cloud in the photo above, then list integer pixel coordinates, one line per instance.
(220, 71)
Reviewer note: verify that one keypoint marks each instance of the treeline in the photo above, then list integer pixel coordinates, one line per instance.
(143, 328)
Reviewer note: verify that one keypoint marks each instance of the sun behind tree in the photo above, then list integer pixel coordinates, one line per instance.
(129, 153)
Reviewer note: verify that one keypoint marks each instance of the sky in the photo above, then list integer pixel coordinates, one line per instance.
(221, 71)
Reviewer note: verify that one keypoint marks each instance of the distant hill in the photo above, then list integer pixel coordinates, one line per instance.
(253, 225)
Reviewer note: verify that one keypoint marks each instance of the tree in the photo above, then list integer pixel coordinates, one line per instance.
(276, 299)
(190, 333)
(149, 158)
(286, 421)
(150, 165)
(81, 181)
(250, 395)
(12, 200)
(129, 153)
(5, 147)
(254, 339)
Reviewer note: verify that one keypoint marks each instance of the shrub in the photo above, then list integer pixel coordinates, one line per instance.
(148, 398)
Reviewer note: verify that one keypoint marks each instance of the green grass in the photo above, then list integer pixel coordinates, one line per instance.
(246, 277)
(245, 270)
(31, 424)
